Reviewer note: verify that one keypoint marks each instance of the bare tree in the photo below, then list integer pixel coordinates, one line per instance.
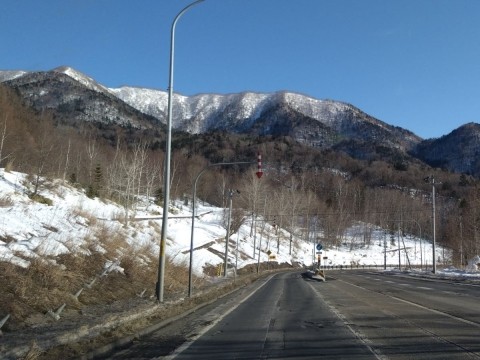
(153, 174)
(42, 150)
(3, 136)
(92, 152)
(252, 190)
(138, 164)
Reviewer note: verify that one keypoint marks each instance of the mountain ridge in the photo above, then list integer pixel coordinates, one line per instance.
(75, 98)
(314, 122)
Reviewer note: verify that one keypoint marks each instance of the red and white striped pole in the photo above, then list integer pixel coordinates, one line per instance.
(259, 171)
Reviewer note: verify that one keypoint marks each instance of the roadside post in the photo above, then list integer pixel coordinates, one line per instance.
(318, 248)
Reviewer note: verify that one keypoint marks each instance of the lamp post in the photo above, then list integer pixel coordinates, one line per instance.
(227, 237)
(194, 195)
(434, 230)
(431, 179)
(166, 176)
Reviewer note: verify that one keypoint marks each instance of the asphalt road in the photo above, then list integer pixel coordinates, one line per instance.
(408, 318)
(353, 315)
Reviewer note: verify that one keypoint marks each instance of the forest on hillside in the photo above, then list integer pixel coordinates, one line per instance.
(303, 188)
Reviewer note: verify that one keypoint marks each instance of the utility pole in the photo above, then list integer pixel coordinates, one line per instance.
(384, 250)
(431, 179)
(434, 230)
(194, 196)
(230, 195)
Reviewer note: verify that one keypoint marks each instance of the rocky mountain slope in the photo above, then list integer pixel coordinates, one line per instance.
(321, 123)
(76, 98)
(458, 151)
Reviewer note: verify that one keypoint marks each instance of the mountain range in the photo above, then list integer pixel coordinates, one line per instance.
(75, 98)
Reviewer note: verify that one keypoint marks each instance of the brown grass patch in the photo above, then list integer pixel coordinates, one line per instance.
(6, 201)
(112, 241)
(80, 212)
(28, 293)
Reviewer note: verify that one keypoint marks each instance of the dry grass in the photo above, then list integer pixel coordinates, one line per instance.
(33, 353)
(27, 294)
(7, 238)
(80, 212)
(81, 267)
(112, 241)
(6, 201)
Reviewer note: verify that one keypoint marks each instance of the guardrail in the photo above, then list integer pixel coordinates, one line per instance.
(363, 266)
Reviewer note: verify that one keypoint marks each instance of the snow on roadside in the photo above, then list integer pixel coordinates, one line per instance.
(29, 229)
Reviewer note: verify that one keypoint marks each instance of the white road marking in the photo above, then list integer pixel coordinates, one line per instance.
(187, 344)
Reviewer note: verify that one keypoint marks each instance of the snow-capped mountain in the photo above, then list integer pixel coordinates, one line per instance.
(321, 123)
(81, 78)
(10, 75)
(193, 114)
(74, 98)
(308, 120)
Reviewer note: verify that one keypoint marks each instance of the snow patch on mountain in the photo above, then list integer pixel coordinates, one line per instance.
(197, 113)
(81, 78)
(11, 74)
(148, 101)
(322, 110)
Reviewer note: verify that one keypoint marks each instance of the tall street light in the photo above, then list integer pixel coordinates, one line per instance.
(166, 175)
(194, 196)
(227, 237)
(431, 179)
(434, 270)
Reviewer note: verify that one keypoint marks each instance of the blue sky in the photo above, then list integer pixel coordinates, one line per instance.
(410, 63)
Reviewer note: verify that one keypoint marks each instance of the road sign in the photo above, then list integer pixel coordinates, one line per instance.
(319, 247)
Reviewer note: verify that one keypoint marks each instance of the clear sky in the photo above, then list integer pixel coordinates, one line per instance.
(410, 63)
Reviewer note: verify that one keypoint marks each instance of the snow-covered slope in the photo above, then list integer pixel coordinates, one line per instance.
(198, 113)
(81, 78)
(74, 74)
(29, 230)
(10, 74)
(194, 114)
(281, 113)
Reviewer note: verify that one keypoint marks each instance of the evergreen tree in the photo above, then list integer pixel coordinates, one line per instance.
(91, 192)
(94, 189)
(158, 196)
(98, 175)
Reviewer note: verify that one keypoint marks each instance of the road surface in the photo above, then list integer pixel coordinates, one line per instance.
(353, 315)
